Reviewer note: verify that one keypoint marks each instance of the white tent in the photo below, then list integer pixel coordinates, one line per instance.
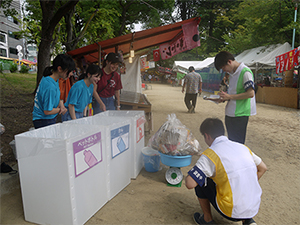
(183, 66)
(205, 63)
(263, 56)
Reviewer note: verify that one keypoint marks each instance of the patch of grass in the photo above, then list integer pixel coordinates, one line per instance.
(23, 82)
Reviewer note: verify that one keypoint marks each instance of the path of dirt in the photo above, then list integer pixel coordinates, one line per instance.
(273, 134)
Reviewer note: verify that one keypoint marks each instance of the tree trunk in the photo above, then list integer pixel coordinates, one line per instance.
(43, 59)
(46, 39)
(49, 22)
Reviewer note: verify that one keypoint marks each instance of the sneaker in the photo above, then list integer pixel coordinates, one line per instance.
(199, 219)
(191, 109)
(249, 222)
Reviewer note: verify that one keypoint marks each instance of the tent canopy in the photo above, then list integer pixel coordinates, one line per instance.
(183, 66)
(138, 40)
(264, 55)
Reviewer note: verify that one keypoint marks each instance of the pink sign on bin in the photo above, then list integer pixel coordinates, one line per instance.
(140, 128)
(87, 153)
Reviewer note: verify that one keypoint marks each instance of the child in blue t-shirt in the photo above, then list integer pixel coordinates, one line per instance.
(81, 93)
(47, 104)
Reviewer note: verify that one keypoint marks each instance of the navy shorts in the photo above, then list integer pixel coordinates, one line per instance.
(43, 122)
(209, 192)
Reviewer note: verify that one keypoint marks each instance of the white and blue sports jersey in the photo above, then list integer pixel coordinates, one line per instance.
(46, 98)
(80, 96)
(233, 168)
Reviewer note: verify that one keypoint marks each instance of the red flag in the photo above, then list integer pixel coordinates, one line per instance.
(156, 55)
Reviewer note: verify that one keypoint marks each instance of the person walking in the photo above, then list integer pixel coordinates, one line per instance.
(224, 83)
(193, 84)
(240, 96)
(226, 175)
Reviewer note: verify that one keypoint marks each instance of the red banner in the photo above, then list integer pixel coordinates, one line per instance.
(287, 61)
(187, 40)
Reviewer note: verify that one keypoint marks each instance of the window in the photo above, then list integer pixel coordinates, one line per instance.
(10, 18)
(13, 20)
(3, 38)
(13, 51)
(31, 48)
(12, 35)
(3, 52)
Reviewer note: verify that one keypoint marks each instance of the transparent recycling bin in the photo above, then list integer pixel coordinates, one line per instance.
(138, 136)
(117, 134)
(63, 173)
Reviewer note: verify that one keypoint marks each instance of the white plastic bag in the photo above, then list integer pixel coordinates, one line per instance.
(173, 138)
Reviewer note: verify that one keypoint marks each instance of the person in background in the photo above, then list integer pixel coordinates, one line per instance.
(224, 83)
(81, 93)
(47, 104)
(66, 84)
(193, 84)
(240, 97)
(226, 175)
(109, 86)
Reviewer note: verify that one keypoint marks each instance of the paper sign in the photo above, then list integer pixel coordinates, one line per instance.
(119, 140)
(87, 153)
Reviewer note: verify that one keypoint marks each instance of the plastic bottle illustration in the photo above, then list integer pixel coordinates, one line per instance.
(89, 158)
(121, 145)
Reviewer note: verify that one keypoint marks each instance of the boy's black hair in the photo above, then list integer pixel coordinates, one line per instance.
(191, 68)
(213, 127)
(222, 58)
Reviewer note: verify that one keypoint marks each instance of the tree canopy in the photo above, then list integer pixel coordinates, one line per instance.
(233, 25)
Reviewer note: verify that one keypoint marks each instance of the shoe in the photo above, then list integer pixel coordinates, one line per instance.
(191, 109)
(200, 219)
(249, 222)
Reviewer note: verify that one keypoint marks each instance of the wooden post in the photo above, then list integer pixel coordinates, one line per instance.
(288, 78)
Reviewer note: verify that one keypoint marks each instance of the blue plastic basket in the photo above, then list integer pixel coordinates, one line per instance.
(175, 161)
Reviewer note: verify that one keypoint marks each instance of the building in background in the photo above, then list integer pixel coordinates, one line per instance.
(31, 52)
(8, 26)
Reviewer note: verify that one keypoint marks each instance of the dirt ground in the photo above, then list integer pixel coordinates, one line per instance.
(273, 134)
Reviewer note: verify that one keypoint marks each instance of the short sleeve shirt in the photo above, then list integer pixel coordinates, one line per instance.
(46, 98)
(192, 82)
(80, 96)
(109, 88)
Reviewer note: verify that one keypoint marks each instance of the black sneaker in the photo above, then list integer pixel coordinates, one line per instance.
(199, 219)
(249, 222)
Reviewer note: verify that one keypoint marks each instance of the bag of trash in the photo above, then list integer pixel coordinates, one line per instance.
(174, 138)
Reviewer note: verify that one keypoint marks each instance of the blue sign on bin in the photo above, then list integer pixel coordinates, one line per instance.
(119, 140)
